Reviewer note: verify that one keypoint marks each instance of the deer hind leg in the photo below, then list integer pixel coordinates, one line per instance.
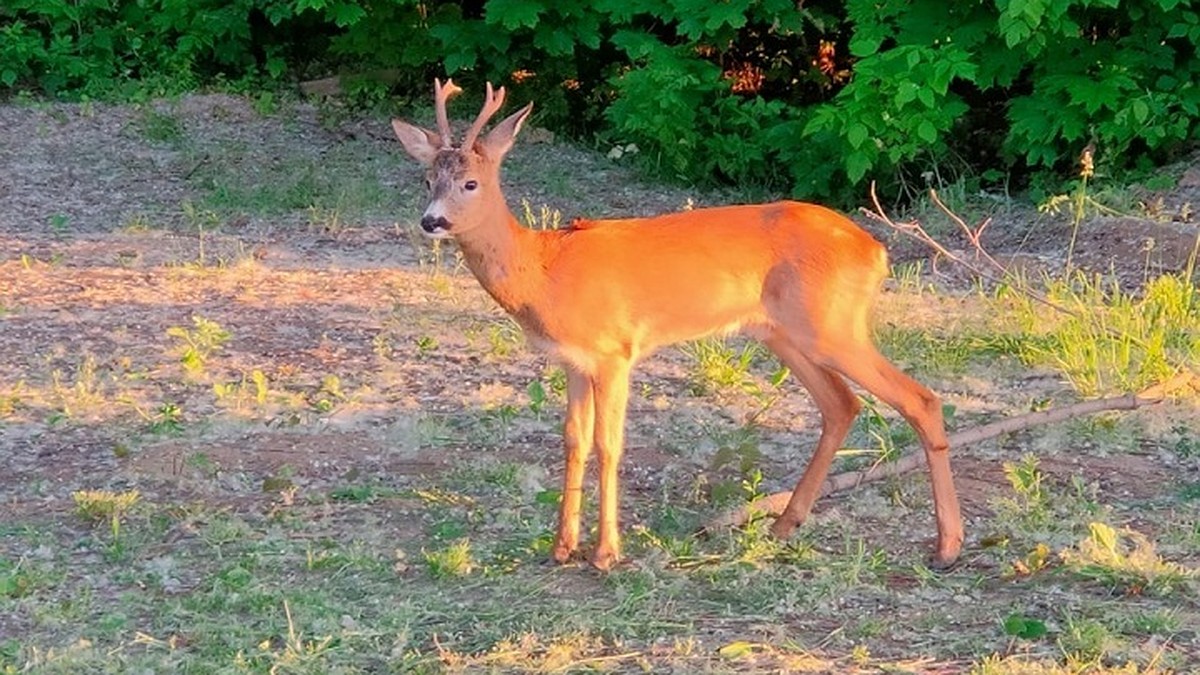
(866, 366)
(612, 398)
(838, 406)
(578, 436)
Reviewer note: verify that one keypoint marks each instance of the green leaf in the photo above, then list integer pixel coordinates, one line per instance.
(857, 166)
(730, 13)
(513, 14)
(1141, 111)
(906, 93)
(856, 134)
(347, 14)
(636, 44)
(736, 650)
(302, 5)
(926, 131)
(555, 42)
(1020, 626)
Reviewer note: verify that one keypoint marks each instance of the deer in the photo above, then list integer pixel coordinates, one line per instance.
(600, 295)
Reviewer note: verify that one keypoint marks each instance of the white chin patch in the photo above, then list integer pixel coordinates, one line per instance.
(439, 233)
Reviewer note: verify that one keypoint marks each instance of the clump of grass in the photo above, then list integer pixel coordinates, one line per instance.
(1125, 560)
(99, 505)
(1114, 341)
(456, 560)
(84, 394)
(546, 218)
(717, 367)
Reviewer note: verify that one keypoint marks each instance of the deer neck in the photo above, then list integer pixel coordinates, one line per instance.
(507, 260)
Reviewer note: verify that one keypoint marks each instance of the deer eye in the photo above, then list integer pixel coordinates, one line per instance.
(470, 185)
(428, 184)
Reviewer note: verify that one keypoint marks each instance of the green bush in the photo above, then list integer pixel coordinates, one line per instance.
(813, 99)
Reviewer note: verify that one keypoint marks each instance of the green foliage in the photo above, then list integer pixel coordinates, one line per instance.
(814, 99)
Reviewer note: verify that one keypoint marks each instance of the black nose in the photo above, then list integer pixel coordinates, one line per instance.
(431, 224)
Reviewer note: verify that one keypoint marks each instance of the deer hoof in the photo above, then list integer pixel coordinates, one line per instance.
(945, 557)
(563, 553)
(605, 560)
(782, 528)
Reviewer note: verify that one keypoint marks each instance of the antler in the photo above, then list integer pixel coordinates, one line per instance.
(441, 94)
(491, 104)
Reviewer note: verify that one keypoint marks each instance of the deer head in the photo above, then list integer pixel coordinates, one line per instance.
(463, 181)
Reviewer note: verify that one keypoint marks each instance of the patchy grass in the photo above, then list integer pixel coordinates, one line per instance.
(320, 448)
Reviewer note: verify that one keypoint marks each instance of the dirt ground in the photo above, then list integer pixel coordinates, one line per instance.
(117, 225)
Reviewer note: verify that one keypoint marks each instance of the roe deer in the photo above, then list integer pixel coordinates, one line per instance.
(600, 295)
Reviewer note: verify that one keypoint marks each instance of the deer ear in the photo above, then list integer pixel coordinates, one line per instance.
(500, 139)
(422, 144)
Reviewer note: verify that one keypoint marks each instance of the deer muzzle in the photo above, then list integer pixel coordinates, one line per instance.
(435, 226)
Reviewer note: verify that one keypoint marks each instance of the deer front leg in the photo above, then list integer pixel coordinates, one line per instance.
(612, 397)
(578, 437)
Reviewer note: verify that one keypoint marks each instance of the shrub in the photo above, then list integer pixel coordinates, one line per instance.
(814, 99)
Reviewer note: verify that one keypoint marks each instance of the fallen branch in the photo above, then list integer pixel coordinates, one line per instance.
(915, 230)
(774, 504)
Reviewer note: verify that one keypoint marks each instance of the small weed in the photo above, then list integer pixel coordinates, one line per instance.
(556, 379)
(497, 421)
(537, 397)
(1187, 444)
(198, 345)
(504, 339)
(355, 494)
(1190, 492)
(1031, 505)
(738, 448)
(201, 220)
(719, 368)
(16, 581)
(159, 127)
(328, 395)
(545, 219)
(84, 394)
(60, 224)
(167, 420)
(1020, 626)
(453, 561)
(1085, 640)
(1126, 561)
(325, 220)
(255, 387)
(1162, 622)
(98, 505)
(887, 438)
(138, 222)
(426, 345)
(296, 654)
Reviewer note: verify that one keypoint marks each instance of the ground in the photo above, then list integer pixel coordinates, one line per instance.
(346, 459)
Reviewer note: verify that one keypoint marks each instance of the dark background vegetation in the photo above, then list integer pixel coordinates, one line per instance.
(811, 98)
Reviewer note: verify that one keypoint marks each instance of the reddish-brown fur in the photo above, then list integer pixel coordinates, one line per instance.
(601, 295)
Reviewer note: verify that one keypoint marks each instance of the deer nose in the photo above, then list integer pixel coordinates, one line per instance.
(432, 224)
